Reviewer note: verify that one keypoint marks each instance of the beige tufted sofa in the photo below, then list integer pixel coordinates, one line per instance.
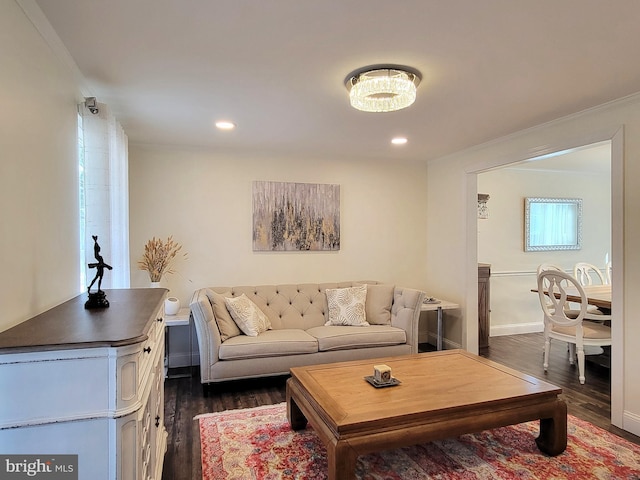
(298, 337)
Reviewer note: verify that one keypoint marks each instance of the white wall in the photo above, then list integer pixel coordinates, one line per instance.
(452, 249)
(514, 309)
(203, 199)
(38, 173)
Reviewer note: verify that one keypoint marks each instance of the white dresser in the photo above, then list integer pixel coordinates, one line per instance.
(89, 382)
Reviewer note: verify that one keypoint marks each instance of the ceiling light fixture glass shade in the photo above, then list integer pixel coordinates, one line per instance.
(382, 89)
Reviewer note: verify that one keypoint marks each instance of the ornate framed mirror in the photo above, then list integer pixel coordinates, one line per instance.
(552, 224)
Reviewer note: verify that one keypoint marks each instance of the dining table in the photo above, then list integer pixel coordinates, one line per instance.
(597, 295)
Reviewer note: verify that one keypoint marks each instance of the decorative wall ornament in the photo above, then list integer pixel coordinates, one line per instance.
(483, 209)
(295, 216)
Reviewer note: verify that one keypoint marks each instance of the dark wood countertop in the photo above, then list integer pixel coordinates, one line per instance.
(70, 325)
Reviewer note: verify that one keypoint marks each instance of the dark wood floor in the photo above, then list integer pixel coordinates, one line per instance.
(184, 397)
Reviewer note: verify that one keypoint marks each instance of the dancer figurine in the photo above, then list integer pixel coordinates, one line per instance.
(99, 298)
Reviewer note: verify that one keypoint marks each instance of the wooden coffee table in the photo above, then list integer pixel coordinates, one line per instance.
(442, 394)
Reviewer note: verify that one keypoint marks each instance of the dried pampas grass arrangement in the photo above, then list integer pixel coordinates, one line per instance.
(159, 256)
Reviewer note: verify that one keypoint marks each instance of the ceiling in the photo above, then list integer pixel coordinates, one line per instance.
(169, 69)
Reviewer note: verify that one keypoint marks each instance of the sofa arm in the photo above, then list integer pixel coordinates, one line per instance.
(207, 332)
(405, 313)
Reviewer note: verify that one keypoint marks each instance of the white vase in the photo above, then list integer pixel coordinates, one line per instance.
(171, 305)
(155, 285)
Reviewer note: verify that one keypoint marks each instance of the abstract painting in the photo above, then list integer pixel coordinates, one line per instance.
(296, 216)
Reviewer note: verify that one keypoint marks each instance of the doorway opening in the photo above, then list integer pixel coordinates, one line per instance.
(615, 146)
(582, 173)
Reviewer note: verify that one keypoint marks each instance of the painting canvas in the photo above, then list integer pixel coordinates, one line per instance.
(296, 216)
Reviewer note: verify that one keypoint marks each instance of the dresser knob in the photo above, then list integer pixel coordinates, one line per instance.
(157, 420)
(147, 349)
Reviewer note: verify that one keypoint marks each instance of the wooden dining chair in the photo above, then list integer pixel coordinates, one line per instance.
(585, 273)
(578, 332)
(571, 311)
(609, 272)
(568, 309)
(543, 267)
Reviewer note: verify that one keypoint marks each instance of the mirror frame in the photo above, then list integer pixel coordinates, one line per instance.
(549, 247)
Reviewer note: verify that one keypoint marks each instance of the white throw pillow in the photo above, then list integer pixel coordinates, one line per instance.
(249, 318)
(347, 306)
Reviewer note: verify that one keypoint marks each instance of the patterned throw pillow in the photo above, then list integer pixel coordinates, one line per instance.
(249, 318)
(347, 306)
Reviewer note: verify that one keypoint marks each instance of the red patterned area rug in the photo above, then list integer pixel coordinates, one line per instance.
(257, 443)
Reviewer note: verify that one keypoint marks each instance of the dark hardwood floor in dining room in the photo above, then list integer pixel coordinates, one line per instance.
(184, 397)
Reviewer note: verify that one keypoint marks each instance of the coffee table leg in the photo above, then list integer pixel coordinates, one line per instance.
(553, 431)
(296, 418)
(342, 461)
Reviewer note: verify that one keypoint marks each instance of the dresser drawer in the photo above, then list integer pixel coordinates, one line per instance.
(134, 432)
(135, 364)
(148, 352)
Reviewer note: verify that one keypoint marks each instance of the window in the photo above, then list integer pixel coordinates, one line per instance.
(104, 194)
(81, 200)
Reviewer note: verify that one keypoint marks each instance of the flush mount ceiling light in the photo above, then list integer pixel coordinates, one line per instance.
(382, 88)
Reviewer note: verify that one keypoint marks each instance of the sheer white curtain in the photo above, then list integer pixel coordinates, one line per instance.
(106, 195)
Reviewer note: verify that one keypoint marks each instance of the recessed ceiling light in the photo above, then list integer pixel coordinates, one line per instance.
(225, 125)
(399, 140)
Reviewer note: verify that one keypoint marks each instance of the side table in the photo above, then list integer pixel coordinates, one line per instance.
(180, 319)
(438, 305)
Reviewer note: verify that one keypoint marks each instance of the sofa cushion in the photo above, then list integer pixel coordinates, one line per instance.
(347, 337)
(272, 343)
(347, 306)
(251, 320)
(226, 325)
(378, 304)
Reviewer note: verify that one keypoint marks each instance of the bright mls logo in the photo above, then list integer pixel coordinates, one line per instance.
(51, 467)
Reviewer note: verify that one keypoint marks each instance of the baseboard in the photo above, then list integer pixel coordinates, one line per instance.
(432, 339)
(631, 423)
(515, 329)
(181, 359)
(449, 345)
(495, 331)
